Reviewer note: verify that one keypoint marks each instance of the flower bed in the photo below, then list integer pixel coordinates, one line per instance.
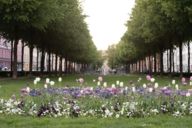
(101, 101)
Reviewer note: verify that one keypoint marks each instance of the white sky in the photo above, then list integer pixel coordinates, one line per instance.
(106, 20)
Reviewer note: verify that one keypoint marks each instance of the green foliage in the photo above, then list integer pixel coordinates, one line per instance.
(155, 26)
(54, 26)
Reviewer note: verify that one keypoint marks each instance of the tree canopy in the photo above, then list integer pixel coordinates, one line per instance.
(155, 26)
(56, 26)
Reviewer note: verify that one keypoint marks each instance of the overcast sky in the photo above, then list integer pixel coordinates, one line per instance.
(106, 20)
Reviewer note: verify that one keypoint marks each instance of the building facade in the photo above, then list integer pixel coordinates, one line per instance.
(5, 55)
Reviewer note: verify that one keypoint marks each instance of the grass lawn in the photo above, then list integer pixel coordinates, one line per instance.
(9, 87)
(150, 122)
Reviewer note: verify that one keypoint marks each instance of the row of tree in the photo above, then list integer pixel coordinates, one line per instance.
(52, 26)
(155, 26)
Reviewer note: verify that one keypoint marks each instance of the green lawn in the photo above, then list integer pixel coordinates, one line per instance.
(151, 122)
(9, 87)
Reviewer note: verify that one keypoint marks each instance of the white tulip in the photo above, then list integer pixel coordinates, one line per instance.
(156, 85)
(177, 87)
(121, 84)
(105, 84)
(28, 90)
(60, 79)
(126, 88)
(139, 79)
(47, 80)
(113, 85)
(190, 83)
(45, 85)
(81, 91)
(117, 116)
(52, 83)
(38, 79)
(35, 82)
(173, 82)
(152, 80)
(117, 82)
(150, 89)
(144, 86)
(98, 83)
(133, 89)
(188, 94)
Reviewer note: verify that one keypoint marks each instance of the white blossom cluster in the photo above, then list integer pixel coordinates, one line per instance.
(105, 110)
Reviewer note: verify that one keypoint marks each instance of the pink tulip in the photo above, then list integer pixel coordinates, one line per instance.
(148, 77)
(183, 80)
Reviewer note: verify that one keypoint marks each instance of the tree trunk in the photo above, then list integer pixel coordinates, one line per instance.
(150, 65)
(180, 58)
(139, 66)
(155, 63)
(128, 68)
(170, 60)
(30, 59)
(42, 60)
(11, 56)
(145, 65)
(49, 62)
(161, 63)
(37, 67)
(69, 66)
(56, 58)
(15, 59)
(143, 61)
(132, 67)
(189, 55)
(22, 56)
(66, 68)
(60, 65)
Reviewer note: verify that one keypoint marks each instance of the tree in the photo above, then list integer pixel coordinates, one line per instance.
(16, 17)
